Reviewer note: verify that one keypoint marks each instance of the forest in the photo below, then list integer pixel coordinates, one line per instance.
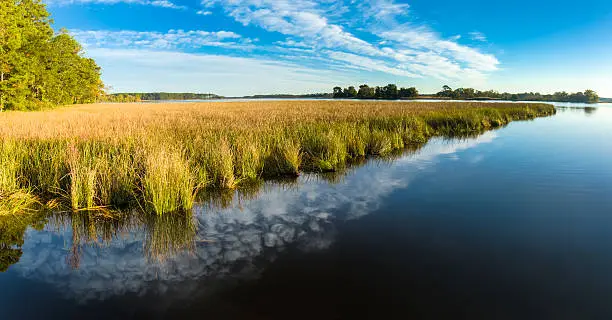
(389, 92)
(156, 96)
(38, 67)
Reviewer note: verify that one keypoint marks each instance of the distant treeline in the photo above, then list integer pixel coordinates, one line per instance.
(588, 96)
(288, 96)
(390, 91)
(147, 96)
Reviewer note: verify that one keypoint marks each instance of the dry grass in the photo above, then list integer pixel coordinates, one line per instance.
(162, 154)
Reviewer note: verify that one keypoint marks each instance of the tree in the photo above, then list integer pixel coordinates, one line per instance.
(390, 91)
(591, 96)
(350, 92)
(446, 92)
(338, 92)
(411, 92)
(378, 93)
(38, 68)
(366, 92)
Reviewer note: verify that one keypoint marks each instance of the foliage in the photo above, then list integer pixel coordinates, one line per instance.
(155, 96)
(389, 92)
(588, 96)
(37, 67)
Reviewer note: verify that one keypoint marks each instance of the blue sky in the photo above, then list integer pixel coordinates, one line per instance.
(240, 47)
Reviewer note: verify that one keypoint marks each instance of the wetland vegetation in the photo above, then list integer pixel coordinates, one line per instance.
(160, 157)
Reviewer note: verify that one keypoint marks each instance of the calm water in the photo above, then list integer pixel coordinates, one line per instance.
(513, 224)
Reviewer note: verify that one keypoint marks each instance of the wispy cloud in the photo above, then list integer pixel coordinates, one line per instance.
(155, 3)
(221, 74)
(399, 47)
(204, 12)
(378, 37)
(478, 36)
(171, 40)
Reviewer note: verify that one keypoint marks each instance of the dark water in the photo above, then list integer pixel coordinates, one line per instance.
(513, 224)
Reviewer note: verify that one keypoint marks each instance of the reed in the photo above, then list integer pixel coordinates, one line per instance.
(16, 202)
(167, 182)
(161, 155)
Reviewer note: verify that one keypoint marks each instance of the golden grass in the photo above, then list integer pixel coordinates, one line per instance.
(16, 202)
(163, 154)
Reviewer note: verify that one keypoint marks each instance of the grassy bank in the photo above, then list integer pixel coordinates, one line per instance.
(160, 156)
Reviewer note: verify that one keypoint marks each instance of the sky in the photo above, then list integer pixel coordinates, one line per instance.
(244, 47)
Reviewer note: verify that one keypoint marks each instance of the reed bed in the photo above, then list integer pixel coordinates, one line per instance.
(161, 156)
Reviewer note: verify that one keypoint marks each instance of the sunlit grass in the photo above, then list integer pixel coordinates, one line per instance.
(16, 202)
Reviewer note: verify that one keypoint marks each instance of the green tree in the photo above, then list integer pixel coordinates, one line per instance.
(350, 92)
(591, 96)
(411, 92)
(38, 68)
(390, 91)
(338, 92)
(366, 92)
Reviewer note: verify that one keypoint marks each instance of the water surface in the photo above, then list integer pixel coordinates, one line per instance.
(513, 224)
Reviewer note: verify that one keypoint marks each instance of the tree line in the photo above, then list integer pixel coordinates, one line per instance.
(588, 96)
(390, 92)
(38, 67)
(154, 96)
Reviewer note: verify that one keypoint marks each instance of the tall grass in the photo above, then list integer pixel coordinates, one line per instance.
(160, 155)
(167, 182)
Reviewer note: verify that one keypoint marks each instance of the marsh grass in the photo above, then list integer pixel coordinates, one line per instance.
(162, 155)
(13, 203)
(167, 182)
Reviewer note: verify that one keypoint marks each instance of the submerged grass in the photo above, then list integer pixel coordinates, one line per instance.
(161, 155)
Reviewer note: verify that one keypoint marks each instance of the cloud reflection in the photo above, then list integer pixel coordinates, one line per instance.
(237, 241)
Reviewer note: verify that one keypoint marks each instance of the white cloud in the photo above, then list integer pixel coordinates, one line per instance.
(155, 3)
(399, 48)
(204, 12)
(171, 40)
(478, 36)
(224, 75)
(366, 63)
(384, 9)
(428, 42)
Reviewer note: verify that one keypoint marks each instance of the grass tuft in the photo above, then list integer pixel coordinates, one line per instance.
(167, 182)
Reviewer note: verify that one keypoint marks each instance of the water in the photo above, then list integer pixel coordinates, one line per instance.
(513, 224)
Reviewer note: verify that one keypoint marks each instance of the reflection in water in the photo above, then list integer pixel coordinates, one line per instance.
(586, 110)
(168, 235)
(12, 230)
(235, 235)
